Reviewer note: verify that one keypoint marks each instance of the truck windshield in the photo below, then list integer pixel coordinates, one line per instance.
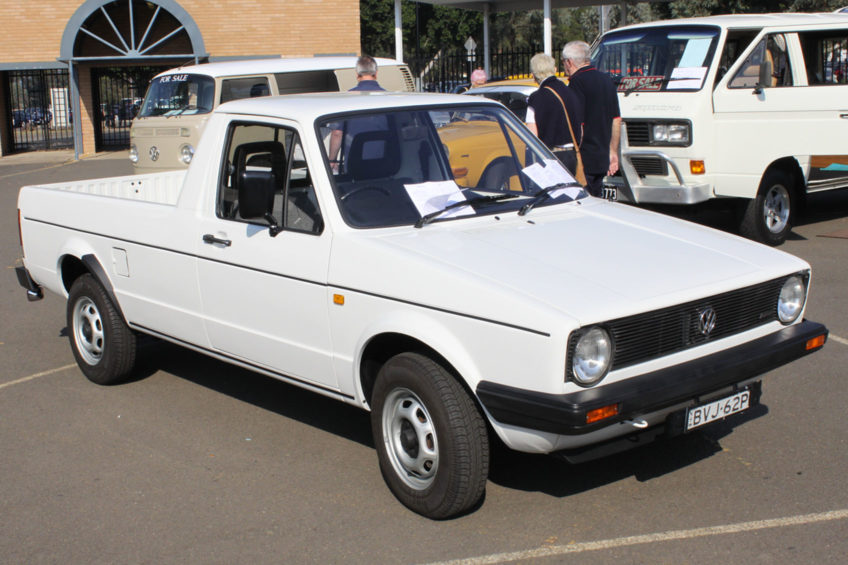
(424, 165)
(172, 95)
(659, 58)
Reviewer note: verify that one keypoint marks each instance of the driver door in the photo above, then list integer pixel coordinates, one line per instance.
(264, 289)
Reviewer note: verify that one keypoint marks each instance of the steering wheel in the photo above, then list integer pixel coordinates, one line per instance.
(361, 189)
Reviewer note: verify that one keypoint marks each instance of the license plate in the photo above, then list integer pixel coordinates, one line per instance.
(717, 410)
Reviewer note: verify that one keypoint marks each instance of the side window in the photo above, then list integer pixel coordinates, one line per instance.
(265, 180)
(766, 66)
(247, 87)
(825, 56)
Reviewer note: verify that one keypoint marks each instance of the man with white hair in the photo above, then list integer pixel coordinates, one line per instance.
(602, 125)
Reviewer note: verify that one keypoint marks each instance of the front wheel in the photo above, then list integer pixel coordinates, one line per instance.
(102, 343)
(431, 439)
(768, 217)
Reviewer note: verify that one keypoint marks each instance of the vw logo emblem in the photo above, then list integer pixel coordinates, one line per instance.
(706, 321)
(154, 153)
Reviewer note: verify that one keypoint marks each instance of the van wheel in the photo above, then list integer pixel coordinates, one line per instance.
(431, 439)
(102, 343)
(768, 217)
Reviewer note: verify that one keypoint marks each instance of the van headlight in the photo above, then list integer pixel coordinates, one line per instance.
(592, 357)
(186, 153)
(672, 133)
(791, 301)
(133, 153)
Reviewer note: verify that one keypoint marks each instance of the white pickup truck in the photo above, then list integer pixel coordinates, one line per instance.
(437, 267)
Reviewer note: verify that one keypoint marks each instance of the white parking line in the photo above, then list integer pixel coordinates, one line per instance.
(652, 538)
(838, 339)
(37, 375)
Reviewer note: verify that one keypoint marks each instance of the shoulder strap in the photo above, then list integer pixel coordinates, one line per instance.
(567, 119)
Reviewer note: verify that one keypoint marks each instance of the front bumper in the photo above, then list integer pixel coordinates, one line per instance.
(631, 185)
(566, 413)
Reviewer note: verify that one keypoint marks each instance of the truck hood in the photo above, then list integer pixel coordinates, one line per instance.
(592, 261)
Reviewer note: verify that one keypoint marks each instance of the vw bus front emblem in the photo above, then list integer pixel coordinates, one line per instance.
(706, 321)
(154, 153)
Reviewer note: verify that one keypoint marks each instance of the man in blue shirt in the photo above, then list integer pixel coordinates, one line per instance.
(366, 74)
(602, 117)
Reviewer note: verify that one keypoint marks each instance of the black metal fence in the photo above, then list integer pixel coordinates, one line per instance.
(39, 110)
(449, 70)
(118, 93)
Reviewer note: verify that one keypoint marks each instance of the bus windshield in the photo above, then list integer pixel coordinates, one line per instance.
(171, 95)
(659, 58)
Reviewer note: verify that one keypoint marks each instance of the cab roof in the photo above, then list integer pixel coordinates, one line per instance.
(747, 21)
(309, 107)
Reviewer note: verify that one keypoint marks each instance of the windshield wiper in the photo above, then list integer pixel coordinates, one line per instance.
(648, 82)
(426, 219)
(544, 194)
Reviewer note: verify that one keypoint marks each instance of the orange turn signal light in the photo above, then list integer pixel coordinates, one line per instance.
(338, 299)
(815, 342)
(460, 172)
(603, 413)
(697, 167)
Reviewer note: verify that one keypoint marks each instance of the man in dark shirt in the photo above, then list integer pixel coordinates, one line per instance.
(602, 126)
(366, 74)
(545, 116)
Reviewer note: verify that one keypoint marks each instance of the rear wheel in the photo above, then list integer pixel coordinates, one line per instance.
(431, 439)
(102, 343)
(768, 217)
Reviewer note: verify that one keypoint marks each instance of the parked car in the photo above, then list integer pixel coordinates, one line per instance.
(451, 313)
(511, 93)
(20, 118)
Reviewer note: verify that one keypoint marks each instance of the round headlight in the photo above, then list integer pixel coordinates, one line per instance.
(133, 153)
(592, 357)
(791, 299)
(186, 153)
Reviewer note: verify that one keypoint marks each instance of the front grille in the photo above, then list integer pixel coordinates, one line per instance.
(638, 133)
(650, 166)
(662, 332)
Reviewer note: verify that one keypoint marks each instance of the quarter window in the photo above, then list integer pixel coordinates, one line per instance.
(826, 56)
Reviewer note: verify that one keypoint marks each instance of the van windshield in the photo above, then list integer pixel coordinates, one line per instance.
(657, 59)
(171, 95)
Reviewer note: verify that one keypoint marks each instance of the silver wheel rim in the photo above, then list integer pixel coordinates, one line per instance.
(776, 208)
(88, 331)
(410, 437)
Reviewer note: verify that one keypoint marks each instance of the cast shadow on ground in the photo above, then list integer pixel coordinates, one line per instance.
(509, 469)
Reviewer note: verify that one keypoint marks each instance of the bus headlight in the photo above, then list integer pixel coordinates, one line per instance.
(133, 153)
(790, 303)
(592, 357)
(186, 153)
(672, 133)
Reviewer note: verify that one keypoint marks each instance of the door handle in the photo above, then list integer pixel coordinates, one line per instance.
(211, 239)
(843, 116)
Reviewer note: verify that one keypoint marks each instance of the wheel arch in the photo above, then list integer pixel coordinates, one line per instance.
(383, 346)
(72, 267)
(790, 166)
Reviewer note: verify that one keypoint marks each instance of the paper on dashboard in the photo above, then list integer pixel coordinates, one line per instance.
(434, 196)
(552, 174)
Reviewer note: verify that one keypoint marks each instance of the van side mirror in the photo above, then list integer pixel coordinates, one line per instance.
(764, 79)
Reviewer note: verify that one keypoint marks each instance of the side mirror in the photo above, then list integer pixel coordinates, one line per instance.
(764, 79)
(258, 176)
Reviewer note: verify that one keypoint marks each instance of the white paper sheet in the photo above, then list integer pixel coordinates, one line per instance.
(430, 197)
(553, 173)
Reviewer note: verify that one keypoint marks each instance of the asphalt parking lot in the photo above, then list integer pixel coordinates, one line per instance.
(199, 462)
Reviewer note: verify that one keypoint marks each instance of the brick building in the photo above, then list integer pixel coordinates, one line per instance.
(60, 59)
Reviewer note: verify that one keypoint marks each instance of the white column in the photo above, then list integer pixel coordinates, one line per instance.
(398, 32)
(548, 33)
(486, 55)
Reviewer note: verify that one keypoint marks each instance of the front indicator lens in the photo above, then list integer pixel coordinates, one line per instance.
(790, 303)
(592, 357)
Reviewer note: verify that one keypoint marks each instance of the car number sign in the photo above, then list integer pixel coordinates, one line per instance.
(718, 409)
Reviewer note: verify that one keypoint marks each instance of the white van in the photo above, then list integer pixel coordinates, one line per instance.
(752, 109)
(178, 102)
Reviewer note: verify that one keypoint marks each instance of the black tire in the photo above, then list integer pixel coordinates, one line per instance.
(496, 176)
(768, 217)
(431, 438)
(103, 345)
